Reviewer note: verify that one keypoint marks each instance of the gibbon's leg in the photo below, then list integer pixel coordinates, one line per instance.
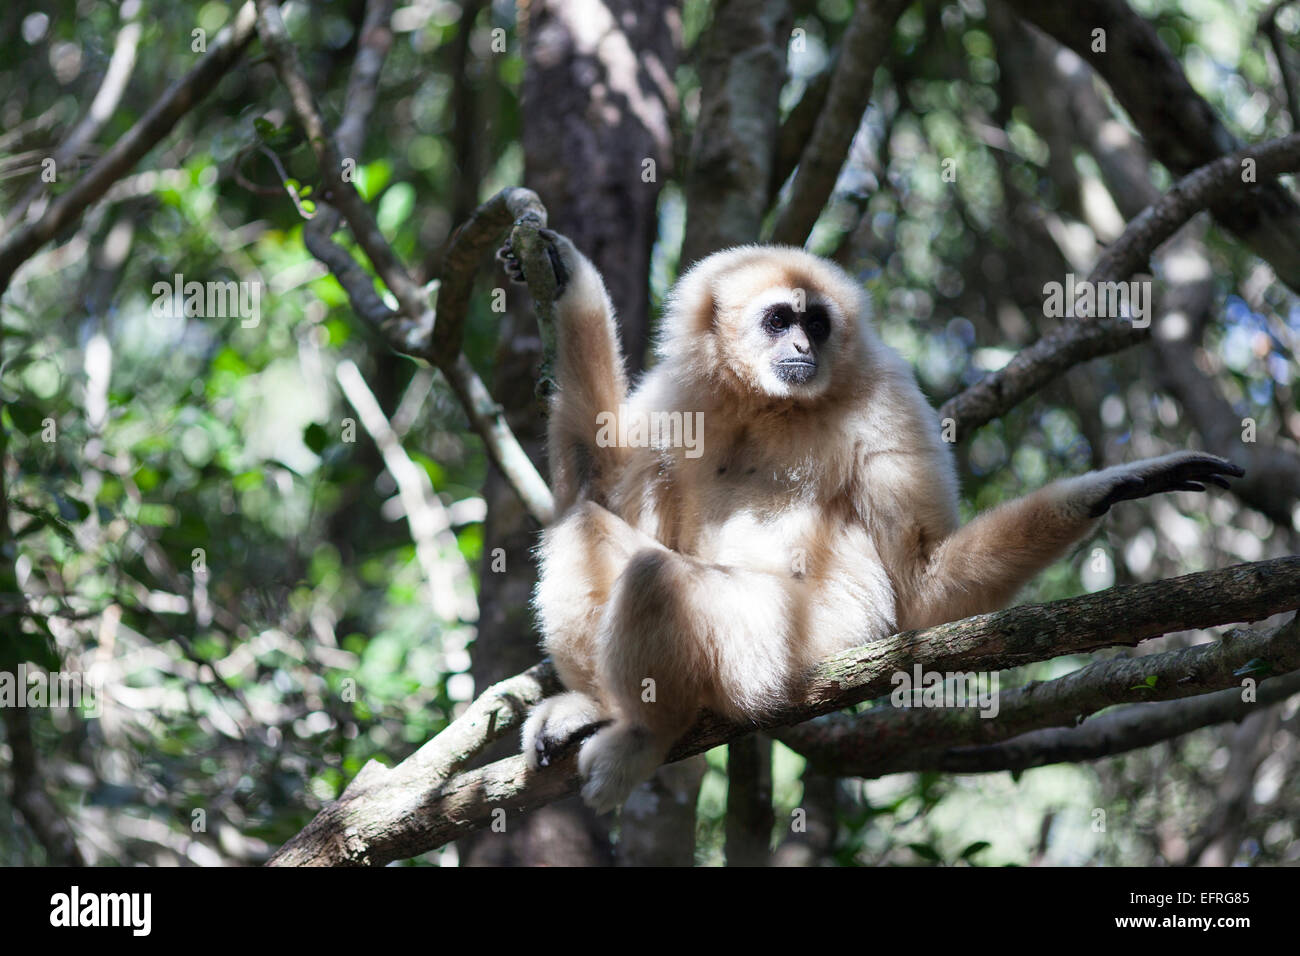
(581, 558)
(982, 565)
(589, 374)
(676, 636)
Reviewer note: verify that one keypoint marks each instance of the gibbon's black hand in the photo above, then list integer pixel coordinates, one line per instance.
(515, 269)
(1187, 472)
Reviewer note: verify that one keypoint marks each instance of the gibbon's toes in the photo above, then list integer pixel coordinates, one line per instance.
(557, 726)
(613, 763)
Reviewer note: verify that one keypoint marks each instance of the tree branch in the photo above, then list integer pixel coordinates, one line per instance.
(134, 144)
(411, 329)
(1079, 341)
(1116, 732)
(388, 814)
(889, 739)
(102, 107)
(742, 68)
(1179, 125)
(864, 46)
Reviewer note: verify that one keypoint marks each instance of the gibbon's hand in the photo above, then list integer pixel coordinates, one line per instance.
(515, 269)
(1183, 471)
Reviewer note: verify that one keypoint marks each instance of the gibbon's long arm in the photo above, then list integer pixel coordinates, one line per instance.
(982, 565)
(589, 372)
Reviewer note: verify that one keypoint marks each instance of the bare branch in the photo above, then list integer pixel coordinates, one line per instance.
(893, 739)
(1180, 127)
(450, 581)
(864, 46)
(120, 66)
(1077, 342)
(1248, 170)
(1268, 26)
(411, 329)
(388, 814)
(229, 44)
(1115, 732)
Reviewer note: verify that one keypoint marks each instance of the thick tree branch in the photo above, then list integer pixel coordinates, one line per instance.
(742, 68)
(890, 739)
(1272, 481)
(388, 814)
(1115, 732)
(29, 794)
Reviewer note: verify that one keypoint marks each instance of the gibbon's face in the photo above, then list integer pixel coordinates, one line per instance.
(771, 321)
(785, 337)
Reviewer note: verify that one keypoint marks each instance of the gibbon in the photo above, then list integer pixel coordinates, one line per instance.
(817, 512)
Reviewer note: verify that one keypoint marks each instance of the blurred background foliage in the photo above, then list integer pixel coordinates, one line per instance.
(205, 536)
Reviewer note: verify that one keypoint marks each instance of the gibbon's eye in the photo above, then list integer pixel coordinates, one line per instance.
(817, 324)
(778, 319)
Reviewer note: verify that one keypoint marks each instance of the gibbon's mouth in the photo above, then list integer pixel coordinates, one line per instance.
(796, 371)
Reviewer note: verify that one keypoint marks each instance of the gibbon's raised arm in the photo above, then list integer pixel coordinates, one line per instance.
(589, 373)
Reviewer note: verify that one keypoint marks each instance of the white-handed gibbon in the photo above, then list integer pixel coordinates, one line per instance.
(817, 512)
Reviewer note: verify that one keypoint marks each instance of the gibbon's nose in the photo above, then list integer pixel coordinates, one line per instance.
(799, 339)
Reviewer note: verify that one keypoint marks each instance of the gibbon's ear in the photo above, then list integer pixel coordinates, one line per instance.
(697, 308)
(692, 314)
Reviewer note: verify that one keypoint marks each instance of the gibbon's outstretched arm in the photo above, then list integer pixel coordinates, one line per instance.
(589, 372)
(981, 566)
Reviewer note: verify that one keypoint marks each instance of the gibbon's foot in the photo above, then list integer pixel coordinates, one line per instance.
(515, 269)
(1182, 471)
(558, 725)
(615, 762)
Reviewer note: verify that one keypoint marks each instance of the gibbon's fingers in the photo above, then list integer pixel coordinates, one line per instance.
(1184, 471)
(509, 259)
(510, 262)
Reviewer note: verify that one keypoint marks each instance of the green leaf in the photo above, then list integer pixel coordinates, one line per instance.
(25, 418)
(70, 509)
(978, 846)
(315, 437)
(926, 852)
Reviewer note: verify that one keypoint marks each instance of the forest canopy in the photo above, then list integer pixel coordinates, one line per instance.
(273, 467)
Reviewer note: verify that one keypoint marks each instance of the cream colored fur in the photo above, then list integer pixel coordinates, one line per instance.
(817, 517)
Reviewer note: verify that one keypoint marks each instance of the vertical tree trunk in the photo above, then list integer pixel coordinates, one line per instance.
(598, 107)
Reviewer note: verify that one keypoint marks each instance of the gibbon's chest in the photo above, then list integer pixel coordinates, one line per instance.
(734, 507)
